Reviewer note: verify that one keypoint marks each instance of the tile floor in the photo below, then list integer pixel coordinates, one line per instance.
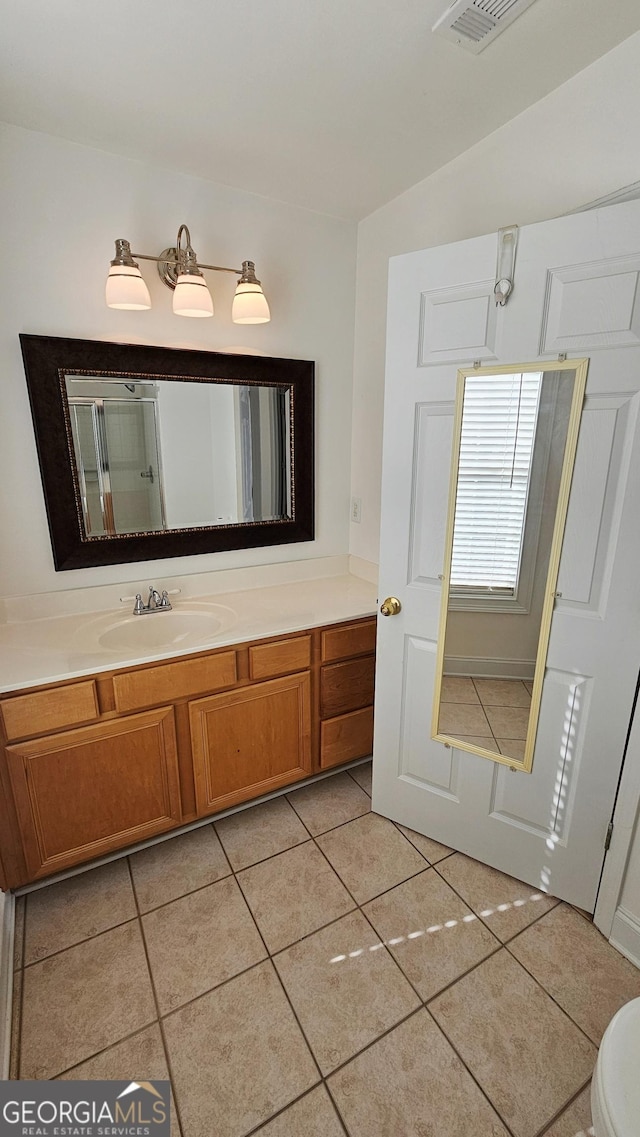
(493, 713)
(306, 968)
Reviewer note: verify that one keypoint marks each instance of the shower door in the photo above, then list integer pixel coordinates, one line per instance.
(119, 472)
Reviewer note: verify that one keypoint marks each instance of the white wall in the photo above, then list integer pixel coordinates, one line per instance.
(62, 207)
(579, 143)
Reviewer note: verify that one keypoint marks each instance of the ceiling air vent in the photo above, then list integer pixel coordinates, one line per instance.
(473, 24)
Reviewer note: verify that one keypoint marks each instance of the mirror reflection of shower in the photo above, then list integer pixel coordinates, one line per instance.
(154, 455)
(514, 448)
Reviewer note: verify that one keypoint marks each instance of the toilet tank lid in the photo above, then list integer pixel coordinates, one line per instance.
(617, 1070)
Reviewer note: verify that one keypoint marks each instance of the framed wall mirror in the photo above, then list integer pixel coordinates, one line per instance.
(150, 452)
(515, 436)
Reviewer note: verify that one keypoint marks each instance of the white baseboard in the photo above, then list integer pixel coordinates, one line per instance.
(625, 935)
(489, 668)
(7, 924)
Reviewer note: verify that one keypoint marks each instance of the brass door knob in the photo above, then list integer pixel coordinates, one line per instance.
(391, 606)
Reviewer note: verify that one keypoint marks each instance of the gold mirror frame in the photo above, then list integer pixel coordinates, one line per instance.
(580, 368)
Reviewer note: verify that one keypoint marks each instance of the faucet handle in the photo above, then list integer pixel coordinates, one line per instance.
(138, 607)
(165, 602)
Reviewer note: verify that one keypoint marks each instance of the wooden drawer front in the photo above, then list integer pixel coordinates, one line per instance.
(267, 660)
(172, 681)
(347, 737)
(249, 741)
(86, 792)
(354, 639)
(41, 711)
(346, 686)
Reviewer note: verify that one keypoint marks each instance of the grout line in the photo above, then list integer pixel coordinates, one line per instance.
(470, 1072)
(105, 1049)
(486, 921)
(156, 1001)
(284, 990)
(548, 993)
(405, 1018)
(85, 940)
(566, 1106)
(432, 864)
(306, 1093)
(464, 974)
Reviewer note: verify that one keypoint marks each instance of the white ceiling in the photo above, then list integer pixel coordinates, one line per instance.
(336, 105)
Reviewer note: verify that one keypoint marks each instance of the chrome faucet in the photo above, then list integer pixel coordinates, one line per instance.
(155, 602)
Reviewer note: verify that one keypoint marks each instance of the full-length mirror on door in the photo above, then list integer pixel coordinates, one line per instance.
(515, 436)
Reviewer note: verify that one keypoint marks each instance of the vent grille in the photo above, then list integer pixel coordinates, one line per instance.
(473, 24)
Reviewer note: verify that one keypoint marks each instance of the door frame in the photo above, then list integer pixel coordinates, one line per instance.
(608, 916)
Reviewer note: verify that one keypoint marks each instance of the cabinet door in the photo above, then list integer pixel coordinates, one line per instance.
(250, 741)
(86, 792)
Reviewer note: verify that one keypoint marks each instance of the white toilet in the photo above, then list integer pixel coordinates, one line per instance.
(615, 1089)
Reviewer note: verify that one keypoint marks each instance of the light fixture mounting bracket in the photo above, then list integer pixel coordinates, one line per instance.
(168, 267)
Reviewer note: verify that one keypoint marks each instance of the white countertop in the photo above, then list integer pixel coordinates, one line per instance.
(47, 650)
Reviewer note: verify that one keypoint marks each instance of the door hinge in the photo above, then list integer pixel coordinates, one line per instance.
(607, 840)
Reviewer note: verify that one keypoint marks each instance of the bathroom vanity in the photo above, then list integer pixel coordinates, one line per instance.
(104, 760)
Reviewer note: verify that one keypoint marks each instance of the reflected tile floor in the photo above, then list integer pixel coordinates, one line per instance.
(308, 969)
(493, 713)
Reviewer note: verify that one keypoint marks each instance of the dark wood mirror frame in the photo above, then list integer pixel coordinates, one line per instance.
(47, 359)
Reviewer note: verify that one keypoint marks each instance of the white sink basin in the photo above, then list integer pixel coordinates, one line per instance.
(162, 629)
(181, 628)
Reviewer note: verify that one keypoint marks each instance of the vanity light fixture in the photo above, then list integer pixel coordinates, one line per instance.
(181, 271)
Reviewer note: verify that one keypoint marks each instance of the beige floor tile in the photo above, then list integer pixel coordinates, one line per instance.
(363, 776)
(83, 1000)
(18, 935)
(529, 685)
(412, 1082)
(506, 905)
(502, 692)
(432, 850)
(576, 1120)
(60, 915)
(166, 871)
(463, 718)
(437, 937)
(293, 894)
(16, 1009)
(330, 802)
(512, 747)
(508, 722)
(575, 964)
(197, 942)
(529, 1058)
(139, 1058)
(345, 995)
(458, 690)
(313, 1116)
(370, 855)
(237, 1056)
(260, 832)
(583, 912)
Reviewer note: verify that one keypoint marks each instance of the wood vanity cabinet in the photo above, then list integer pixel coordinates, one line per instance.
(98, 764)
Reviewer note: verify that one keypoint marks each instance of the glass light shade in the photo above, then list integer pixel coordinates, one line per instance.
(126, 289)
(250, 305)
(191, 296)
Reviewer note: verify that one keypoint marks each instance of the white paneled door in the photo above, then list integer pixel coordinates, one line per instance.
(577, 291)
